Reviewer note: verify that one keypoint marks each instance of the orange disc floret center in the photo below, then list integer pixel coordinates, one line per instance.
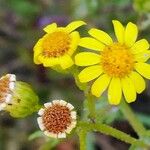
(56, 44)
(117, 60)
(57, 118)
(4, 88)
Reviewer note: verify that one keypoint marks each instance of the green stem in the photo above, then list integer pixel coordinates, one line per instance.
(82, 139)
(91, 105)
(133, 120)
(105, 129)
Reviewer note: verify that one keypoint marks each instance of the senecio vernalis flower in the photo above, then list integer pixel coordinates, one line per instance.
(57, 118)
(17, 97)
(57, 46)
(116, 65)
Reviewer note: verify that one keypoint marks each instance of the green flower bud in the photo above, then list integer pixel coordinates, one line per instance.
(17, 97)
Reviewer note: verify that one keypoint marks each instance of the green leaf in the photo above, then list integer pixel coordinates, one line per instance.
(145, 119)
(35, 135)
(50, 144)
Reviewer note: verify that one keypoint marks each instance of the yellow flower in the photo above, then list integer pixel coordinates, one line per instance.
(115, 65)
(58, 45)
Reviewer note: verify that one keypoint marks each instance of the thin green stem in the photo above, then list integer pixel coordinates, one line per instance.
(105, 129)
(91, 105)
(82, 138)
(132, 118)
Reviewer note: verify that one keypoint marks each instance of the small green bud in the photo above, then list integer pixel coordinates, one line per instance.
(17, 97)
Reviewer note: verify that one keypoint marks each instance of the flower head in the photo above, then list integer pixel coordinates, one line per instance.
(7, 85)
(57, 118)
(57, 46)
(17, 97)
(115, 65)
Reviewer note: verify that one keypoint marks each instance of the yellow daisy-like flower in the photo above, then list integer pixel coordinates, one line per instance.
(115, 65)
(58, 45)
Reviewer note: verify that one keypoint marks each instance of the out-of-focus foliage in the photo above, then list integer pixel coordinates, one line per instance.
(24, 8)
(142, 6)
(84, 8)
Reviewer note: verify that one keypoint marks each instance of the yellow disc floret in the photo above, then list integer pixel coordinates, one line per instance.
(117, 60)
(56, 44)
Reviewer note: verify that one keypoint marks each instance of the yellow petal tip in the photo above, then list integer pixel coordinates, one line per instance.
(91, 30)
(49, 28)
(115, 20)
(82, 22)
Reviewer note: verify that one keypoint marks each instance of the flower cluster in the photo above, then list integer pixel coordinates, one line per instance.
(57, 118)
(117, 65)
(114, 64)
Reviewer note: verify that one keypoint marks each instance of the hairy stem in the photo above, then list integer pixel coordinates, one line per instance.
(132, 118)
(91, 105)
(105, 129)
(82, 139)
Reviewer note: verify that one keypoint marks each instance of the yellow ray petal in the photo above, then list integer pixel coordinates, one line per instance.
(74, 25)
(101, 36)
(139, 46)
(143, 56)
(66, 61)
(128, 89)
(131, 33)
(119, 31)
(38, 45)
(36, 59)
(90, 73)
(87, 59)
(143, 69)
(114, 91)
(138, 81)
(50, 28)
(49, 62)
(91, 43)
(37, 51)
(75, 37)
(100, 85)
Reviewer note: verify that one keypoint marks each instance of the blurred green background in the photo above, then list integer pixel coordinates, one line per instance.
(21, 23)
